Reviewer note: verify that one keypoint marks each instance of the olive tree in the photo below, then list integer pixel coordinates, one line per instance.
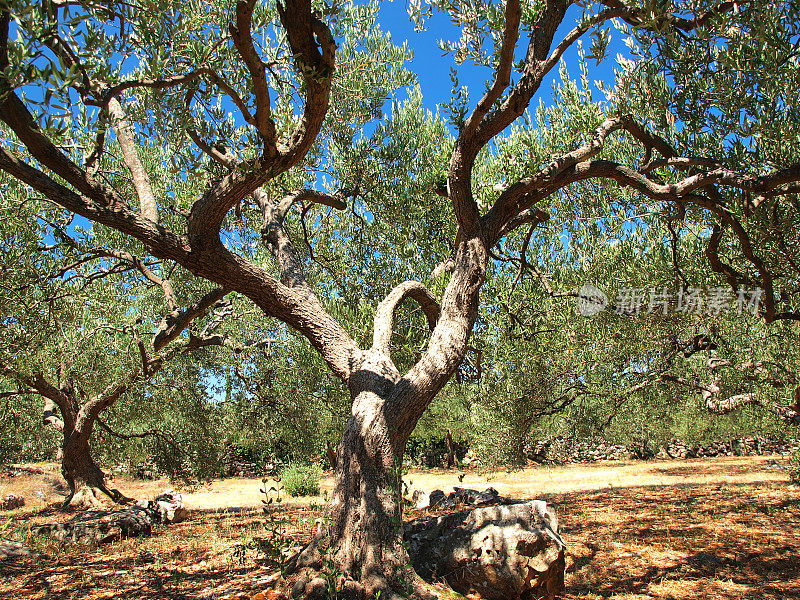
(245, 100)
(87, 322)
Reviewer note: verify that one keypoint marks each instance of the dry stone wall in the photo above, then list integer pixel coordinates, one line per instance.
(571, 450)
(561, 449)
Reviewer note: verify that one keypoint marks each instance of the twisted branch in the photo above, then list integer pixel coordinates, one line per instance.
(384, 316)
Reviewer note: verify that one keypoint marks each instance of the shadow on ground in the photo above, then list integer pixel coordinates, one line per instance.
(683, 541)
(686, 541)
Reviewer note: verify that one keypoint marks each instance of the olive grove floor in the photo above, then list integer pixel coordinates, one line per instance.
(724, 528)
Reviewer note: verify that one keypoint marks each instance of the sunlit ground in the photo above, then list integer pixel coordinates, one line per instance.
(722, 528)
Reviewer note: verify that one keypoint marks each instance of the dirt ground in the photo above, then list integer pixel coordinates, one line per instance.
(725, 528)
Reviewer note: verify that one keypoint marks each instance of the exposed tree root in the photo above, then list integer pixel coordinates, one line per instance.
(314, 574)
(89, 494)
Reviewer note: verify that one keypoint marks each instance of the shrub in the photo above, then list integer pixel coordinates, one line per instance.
(301, 480)
(794, 466)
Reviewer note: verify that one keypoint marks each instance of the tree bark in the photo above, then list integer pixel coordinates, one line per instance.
(363, 538)
(75, 424)
(366, 524)
(81, 471)
(448, 442)
(364, 533)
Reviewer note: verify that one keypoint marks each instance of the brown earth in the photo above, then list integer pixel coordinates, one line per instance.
(725, 528)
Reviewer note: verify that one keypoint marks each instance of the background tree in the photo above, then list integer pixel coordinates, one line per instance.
(187, 68)
(81, 330)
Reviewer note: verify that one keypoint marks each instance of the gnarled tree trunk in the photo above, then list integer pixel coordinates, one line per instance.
(363, 537)
(365, 512)
(75, 422)
(81, 472)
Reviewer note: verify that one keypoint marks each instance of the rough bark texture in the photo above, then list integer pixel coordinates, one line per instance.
(364, 535)
(80, 470)
(508, 552)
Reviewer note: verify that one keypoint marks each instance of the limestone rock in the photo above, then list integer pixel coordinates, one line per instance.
(420, 499)
(102, 526)
(464, 497)
(167, 507)
(13, 550)
(11, 501)
(510, 552)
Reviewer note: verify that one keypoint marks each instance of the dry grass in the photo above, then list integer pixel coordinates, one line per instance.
(714, 528)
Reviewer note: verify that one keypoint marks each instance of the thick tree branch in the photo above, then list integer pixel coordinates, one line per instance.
(243, 40)
(337, 200)
(684, 191)
(313, 48)
(219, 153)
(502, 77)
(719, 406)
(482, 127)
(110, 92)
(202, 252)
(732, 276)
(709, 393)
(518, 197)
(530, 215)
(55, 400)
(274, 235)
(50, 416)
(130, 153)
(448, 343)
(94, 201)
(538, 64)
(637, 19)
(176, 321)
(91, 409)
(384, 316)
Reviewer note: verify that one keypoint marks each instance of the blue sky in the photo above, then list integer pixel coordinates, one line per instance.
(433, 69)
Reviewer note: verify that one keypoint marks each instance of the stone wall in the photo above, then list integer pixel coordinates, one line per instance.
(560, 450)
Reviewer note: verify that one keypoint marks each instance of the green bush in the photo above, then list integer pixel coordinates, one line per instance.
(794, 466)
(301, 480)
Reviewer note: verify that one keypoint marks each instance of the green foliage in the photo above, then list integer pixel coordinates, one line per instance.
(301, 479)
(535, 367)
(23, 436)
(794, 467)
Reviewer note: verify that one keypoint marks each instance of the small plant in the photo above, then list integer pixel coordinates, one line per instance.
(276, 546)
(301, 480)
(794, 466)
(332, 575)
(238, 554)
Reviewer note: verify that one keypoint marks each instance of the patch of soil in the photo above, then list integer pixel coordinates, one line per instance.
(213, 555)
(726, 529)
(733, 541)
